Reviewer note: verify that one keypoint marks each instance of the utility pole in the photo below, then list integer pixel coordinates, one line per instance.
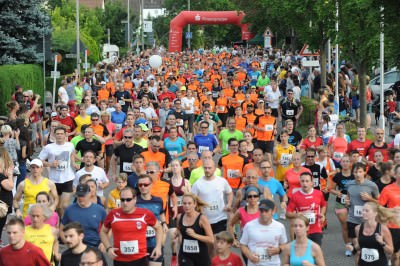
(188, 41)
(129, 26)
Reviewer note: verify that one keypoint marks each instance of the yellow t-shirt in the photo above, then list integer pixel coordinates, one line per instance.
(43, 238)
(79, 120)
(284, 157)
(30, 192)
(114, 199)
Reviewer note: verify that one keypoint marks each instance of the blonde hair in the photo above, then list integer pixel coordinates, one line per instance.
(384, 215)
(5, 159)
(105, 113)
(6, 129)
(122, 176)
(200, 204)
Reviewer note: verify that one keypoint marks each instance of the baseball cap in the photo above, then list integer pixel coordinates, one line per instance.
(37, 162)
(103, 83)
(266, 205)
(156, 128)
(260, 101)
(143, 127)
(253, 87)
(183, 88)
(208, 93)
(54, 114)
(82, 190)
(140, 121)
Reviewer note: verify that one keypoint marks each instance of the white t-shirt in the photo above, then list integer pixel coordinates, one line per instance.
(273, 96)
(186, 102)
(296, 92)
(62, 153)
(396, 140)
(98, 175)
(212, 192)
(150, 113)
(62, 92)
(259, 237)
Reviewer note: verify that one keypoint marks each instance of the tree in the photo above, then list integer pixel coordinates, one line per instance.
(22, 22)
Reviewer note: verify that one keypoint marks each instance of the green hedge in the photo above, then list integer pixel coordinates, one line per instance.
(30, 77)
(307, 116)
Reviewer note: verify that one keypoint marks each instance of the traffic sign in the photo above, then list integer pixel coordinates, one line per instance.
(147, 26)
(58, 58)
(86, 65)
(306, 52)
(189, 35)
(55, 74)
(70, 55)
(312, 63)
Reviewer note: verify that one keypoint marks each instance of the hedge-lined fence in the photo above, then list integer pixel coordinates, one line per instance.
(30, 77)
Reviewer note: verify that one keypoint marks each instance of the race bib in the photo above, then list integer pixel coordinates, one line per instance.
(62, 165)
(191, 246)
(369, 254)
(316, 182)
(343, 199)
(118, 127)
(289, 112)
(221, 108)
(127, 167)
(213, 207)
(215, 94)
(179, 202)
(121, 102)
(129, 247)
(295, 190)
(233, 173)
(172, 153)
(203, 148)
(338, 155)
(179, 122)
(150, 232)
(285, 159)
(311, 217)
(269, 127)
(118, 203)
(262, 254)
(358, 211)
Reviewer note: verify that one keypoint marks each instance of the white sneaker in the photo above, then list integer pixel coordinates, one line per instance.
(348, 253)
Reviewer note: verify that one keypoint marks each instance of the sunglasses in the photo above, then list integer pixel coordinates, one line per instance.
(128, 137)
(151, 172)
(144, 184)
(95, 120)
(126, 199)
(267, 113)
(310, 156)
(252, 196)
(204, 127)
(156, 131)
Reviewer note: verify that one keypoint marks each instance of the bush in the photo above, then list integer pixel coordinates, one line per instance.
(307, 117)
(30, 77)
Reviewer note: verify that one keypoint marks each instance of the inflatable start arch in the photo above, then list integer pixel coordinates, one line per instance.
(201, 18)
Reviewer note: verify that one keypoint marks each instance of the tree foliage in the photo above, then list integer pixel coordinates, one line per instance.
(21, 23)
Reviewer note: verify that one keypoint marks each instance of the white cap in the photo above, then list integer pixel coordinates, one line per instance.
(54, 114)
(37, 162)
(103, 83)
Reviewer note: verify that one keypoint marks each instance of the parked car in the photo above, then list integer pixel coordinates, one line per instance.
(390, 78)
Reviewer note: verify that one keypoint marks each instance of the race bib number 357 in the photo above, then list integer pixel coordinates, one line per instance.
(129, 247)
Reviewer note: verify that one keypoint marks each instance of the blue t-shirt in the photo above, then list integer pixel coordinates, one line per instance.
(118, 118)
(90, 218)
(174, 147)
(275, 187)
(205, 143)
(155, 205)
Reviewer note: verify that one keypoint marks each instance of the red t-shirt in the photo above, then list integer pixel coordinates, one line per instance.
(29, 254)
(308, 144)
(232, 260)
(390, 197)
(373, 148)
(293, 180)
(391, 106)
(310, 205)
(361, 147)
(129, 231)
(67, 121)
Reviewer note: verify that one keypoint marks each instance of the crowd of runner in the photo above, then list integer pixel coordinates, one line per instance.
(204, 150)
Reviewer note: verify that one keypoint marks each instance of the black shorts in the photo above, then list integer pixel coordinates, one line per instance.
(140, 262)
(351, 230)
(64, 187)
(159, 259)
(219, 226)
(316, 237)
(266, 146)
(395, 238)
(109, 150)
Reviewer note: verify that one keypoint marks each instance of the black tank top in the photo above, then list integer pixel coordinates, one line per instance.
(194, 248)
(370, 249)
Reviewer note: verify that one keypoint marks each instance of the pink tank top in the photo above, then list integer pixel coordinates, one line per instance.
(246, 217)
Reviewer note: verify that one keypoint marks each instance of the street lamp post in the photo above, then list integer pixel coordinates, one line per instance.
(78, 54)
(337, 60)
(381, 59)
(188, 40)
